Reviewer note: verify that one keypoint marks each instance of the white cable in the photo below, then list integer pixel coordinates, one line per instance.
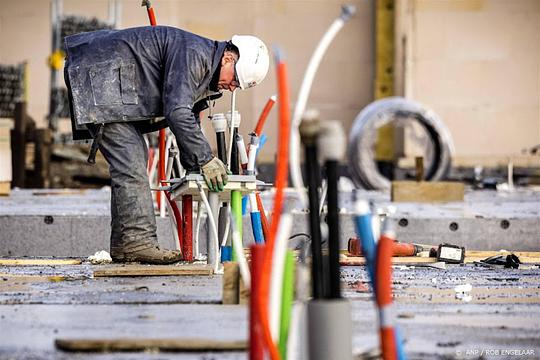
(303, 95)
(167, 167)
(231, 129)
(240, 254)
(197, 230)
(212, 224)
(276, 280)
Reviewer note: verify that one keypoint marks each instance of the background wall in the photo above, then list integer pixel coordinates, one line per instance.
(475, 62)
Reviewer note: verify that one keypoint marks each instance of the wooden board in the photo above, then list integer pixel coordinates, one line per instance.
(142, 344)
(152, 270)
(39, 262)
(423, 191)
(231, 278)
(5, 188)
(525, 258)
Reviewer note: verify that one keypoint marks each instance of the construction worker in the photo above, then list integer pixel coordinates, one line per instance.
(120, 81)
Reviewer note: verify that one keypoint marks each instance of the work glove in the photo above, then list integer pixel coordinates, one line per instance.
(215, 174)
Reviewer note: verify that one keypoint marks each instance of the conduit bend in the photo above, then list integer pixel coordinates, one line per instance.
(360, 145)
(294, 152)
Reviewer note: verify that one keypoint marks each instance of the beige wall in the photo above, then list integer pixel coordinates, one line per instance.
(342, 86)
(477, 64)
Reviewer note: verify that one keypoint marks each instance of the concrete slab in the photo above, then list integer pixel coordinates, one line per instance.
(75, 223)
(502, 315)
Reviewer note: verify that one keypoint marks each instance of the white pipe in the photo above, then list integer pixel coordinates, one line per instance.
(242, 150)
(294, 147)
(240, 254)
(253, 147)
(197, 230)
(212, 224)
(276, 280)
(227, 226)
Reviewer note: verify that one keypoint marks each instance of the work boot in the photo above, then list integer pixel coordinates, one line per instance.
(148, 255)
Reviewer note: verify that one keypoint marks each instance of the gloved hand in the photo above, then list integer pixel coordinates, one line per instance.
(215, 174)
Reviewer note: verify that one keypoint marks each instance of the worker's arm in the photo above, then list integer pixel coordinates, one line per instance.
(184, 74)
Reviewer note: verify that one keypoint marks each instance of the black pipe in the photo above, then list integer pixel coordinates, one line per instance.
(221, 147)
(333, 228)
(235, 164)
(313, 171)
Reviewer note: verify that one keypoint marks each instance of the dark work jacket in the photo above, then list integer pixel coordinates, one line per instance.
(140, 74)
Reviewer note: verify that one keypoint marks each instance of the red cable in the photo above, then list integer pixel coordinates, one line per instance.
(264, 219)
(384, 296)
(264, 114)
(281, 183)
(256, 343)
(187, 227)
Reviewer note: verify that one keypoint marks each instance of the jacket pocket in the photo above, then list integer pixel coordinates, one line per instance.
(113, 83)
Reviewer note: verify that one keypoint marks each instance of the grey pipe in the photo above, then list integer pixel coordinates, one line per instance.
(329, 329)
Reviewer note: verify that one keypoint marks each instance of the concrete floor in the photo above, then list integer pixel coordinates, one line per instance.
(502, 315)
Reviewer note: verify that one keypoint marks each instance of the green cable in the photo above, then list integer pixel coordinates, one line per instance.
(287, 299)
(236, 208)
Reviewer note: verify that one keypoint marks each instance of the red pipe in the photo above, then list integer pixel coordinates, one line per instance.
(264, 114)
(187, 227)
(280, 183)
(384, 297)
(264, 219)
(256, 344)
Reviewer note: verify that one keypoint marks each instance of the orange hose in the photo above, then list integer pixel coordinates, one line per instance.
(264, 220)
(384, 295)
(281, 182)
(264, 114)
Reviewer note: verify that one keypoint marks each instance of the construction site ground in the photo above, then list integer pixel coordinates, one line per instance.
(39, 304)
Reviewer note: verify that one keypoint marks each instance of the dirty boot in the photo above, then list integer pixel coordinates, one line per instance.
(148, 255)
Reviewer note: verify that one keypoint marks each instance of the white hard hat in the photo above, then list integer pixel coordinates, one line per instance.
(252, 65)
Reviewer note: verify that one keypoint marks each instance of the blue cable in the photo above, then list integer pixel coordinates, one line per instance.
(256, 225)
(365, 233)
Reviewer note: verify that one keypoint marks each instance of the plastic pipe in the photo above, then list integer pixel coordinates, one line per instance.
(364, 232)
(238, 250)
(213, 224)
(287, 299)
(253, 148)
(310, 130)
(212, 240)
(197, 231)
(187, 227)
(256, 343)
(294, 156)
(241, 146)
(383, 292)
(278, 267)
(331, 144)
(256, 219)
(264, 114)
(236, 210)
(219, 123)
(264, 220)
(280, 184)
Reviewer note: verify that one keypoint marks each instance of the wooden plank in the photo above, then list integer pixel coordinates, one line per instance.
(152, 270)
(411, 260)
(5, 188)
(39, 262)
(423, 191)
(145, 344)
(231, 278)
